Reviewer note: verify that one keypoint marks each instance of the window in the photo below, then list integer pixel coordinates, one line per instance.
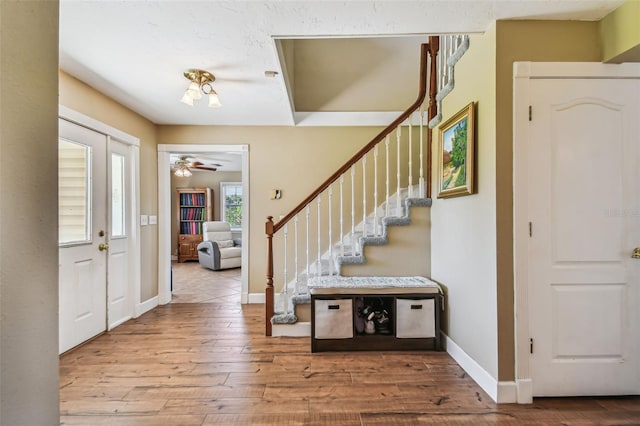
(231, 203)
(117, 196)
(74, 194)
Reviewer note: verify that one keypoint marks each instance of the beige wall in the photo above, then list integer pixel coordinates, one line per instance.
(293, 159)
(82, 98)
(198, 180)
(28, 213)
(463, 232)
(479, 228)
(620, 34)
(561, 41)
(383, 76)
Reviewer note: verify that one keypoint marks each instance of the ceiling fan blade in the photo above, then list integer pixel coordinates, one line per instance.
(212, 169)
(202, 166)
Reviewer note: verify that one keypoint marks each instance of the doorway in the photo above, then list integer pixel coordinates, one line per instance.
(576, 218)
(98, 233)
(166, 209)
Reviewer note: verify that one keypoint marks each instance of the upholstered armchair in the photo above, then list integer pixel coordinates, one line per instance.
(219, 250)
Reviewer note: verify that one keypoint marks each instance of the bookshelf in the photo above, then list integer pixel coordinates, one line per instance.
(194, 206)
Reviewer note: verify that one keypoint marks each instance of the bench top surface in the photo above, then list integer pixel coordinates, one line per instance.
(372, 285)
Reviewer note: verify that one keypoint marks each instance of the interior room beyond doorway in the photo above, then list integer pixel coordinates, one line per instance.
(194, 284)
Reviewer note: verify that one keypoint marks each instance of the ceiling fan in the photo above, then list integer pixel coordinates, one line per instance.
(183, 166)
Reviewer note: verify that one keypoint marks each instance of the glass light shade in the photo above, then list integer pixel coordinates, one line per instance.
(187, 98)
(194, 88)
(183, 172)
(214, 100)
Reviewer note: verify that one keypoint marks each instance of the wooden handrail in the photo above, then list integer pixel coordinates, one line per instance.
(377, 139)
(432, 111)
(271, 228)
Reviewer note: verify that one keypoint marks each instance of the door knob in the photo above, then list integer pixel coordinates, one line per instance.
(636, 253)
(103, 247)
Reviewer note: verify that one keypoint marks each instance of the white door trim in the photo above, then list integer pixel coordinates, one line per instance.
(134, 187)
(164, 213)
(523, 72)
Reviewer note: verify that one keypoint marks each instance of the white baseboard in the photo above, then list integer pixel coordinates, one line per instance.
(117, 323)
(174, 258)
(146, 306)
(299, 329)
(507, 393)
(255, 298)
(524, 388)
(500, 392)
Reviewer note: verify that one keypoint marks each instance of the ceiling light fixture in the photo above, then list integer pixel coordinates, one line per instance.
(182, 168)
(201, 83)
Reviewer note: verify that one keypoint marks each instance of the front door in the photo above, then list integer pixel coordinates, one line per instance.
(119, 291)
(584, 213)
(82, 198)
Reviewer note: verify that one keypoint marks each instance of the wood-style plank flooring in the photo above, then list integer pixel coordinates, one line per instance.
(210, 364)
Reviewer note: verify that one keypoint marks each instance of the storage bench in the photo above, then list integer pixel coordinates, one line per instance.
(407, 309)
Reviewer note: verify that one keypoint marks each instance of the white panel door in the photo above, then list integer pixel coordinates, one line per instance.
(119, 297)
(585, 214)
(82, 234)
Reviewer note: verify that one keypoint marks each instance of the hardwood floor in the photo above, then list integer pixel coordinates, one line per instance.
(210, 363)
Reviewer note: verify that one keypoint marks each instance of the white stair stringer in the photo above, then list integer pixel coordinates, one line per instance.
(360, 258)
(285, 315)
(447, 79)
(287, 299)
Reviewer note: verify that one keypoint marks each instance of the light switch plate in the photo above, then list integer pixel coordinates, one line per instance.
(144, 220)
(153, 220)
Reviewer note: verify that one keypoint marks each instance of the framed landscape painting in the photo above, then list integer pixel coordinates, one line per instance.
(456, 154)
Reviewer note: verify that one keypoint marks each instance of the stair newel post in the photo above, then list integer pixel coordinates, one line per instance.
(375, 191)
(386, 204)
(398, 200)
(410, 191)
(268, 292)
(342, 215)
(421, 179)
(308, 216)
(330, 230)
(353, 209)
(364, 196)
(434, 47)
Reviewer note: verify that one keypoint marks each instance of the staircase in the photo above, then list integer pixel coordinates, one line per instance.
(337, 229)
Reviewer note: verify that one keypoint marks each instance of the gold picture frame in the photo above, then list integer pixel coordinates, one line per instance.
(456, 154)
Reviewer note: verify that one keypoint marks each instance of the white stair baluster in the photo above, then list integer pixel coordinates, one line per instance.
(284, 273)
(450, 54)
(295, 252)
(330, 231)
(319, 239)
(364, 195)
(452, 46)
(386, 205)
(398, 173)
(353, 210)
(421, 180)
(447, 54)
(308, 214)
(342, 215)
(375, 191)
(410, 190)
(443, 65)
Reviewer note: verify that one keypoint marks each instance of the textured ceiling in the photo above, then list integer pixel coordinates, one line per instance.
(136, 51)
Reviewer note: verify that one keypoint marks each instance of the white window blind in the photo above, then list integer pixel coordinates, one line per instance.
(74, 195)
